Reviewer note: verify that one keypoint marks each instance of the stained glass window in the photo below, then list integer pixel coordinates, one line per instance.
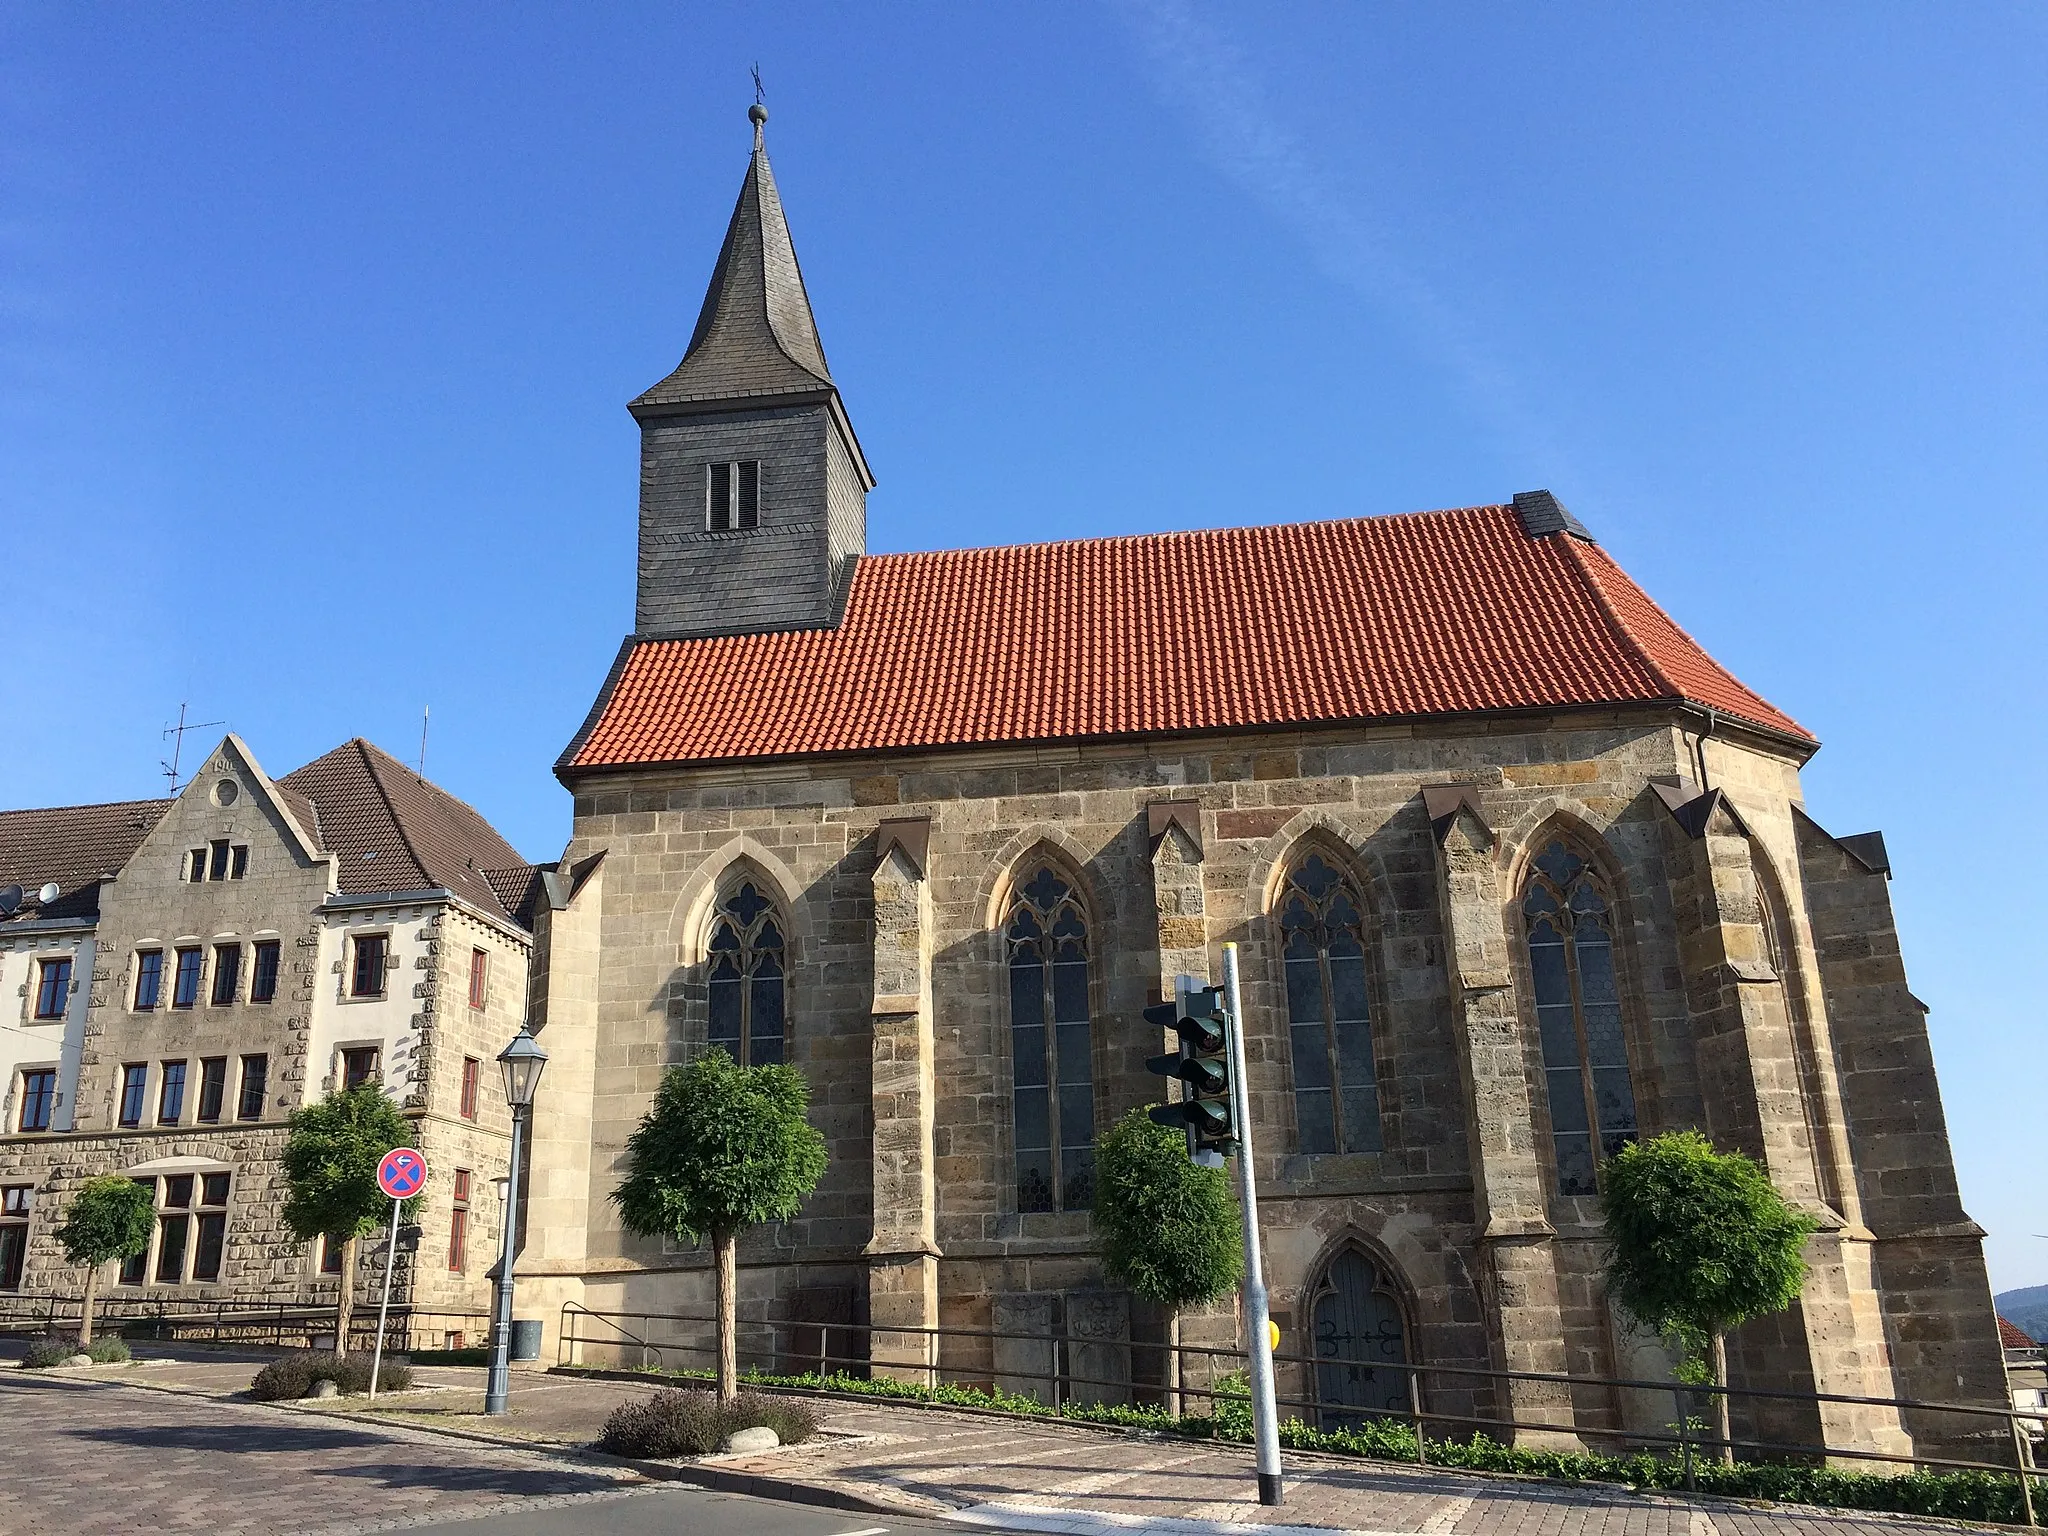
(1329, 1022)
(1052, 1086)
(1578, 1017)
(749, 975)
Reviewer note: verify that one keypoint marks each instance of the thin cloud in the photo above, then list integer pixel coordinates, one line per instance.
(1242, 127)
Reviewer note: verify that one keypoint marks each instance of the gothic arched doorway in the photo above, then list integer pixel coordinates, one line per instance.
(1359, 1330)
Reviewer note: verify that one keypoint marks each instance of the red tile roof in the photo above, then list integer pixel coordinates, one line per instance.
(1428, 613)
(2012, 1336)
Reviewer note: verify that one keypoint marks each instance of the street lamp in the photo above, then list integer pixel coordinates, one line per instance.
(521, 1062)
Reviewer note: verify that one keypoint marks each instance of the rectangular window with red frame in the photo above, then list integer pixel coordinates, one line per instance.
(458, 1225)
(479, 977)
(472, 1073)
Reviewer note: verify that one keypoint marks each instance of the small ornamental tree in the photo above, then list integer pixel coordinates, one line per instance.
(724, 1148)
(1698, 1243)
(1170, 1228)
(110, 1218)
(331, 1152)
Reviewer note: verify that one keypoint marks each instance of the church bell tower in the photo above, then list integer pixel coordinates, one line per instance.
(753, 487)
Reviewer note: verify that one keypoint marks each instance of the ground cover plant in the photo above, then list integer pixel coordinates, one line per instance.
(695, 1423)
(291, 1376)
(1991, 1496)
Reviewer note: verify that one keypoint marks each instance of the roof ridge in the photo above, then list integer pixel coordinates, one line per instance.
(1174, 535)
(1620, 625)
(367, 749)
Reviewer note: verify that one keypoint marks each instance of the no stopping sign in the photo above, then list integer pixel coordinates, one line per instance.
(402, 1173)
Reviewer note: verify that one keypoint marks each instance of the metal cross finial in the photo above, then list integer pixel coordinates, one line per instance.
(759, 95)
(757, 114)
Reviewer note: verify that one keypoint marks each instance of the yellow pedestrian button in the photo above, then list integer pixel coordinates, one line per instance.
(1273, 1332)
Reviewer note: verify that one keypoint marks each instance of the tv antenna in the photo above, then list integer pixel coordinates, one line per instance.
(175, 734)
(425, 710)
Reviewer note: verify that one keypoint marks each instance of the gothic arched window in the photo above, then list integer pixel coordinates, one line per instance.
(1052, 1086)
(748, 976)
(1578, 1016)
(1329, 1023)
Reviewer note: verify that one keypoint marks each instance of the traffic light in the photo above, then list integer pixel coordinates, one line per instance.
(1201, 1066)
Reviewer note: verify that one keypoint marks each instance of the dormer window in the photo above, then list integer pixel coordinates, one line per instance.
(732, 496)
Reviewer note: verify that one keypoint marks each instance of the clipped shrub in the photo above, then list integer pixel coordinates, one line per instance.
(108, 1349)
(291, 1376)
(51, 1349)
(694, 1423)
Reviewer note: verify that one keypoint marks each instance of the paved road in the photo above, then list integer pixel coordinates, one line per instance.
(92, 1458)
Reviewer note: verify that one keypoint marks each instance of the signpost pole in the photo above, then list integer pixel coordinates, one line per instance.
(384, 1307)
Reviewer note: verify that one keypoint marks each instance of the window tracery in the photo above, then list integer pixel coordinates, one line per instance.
(1052, 1089)
(748, 977)
(1329, 1019)
(1578, 1016)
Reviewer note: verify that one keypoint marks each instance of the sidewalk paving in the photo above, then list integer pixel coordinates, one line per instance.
(1021, 1474)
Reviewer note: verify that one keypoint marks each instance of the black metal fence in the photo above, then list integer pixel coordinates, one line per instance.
(1422, 1391)
(410, 1330)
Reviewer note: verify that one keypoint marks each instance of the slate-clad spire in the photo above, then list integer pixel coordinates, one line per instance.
(753, 487)
(756, 334)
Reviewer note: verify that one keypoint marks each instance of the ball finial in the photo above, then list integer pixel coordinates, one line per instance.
(757, 114)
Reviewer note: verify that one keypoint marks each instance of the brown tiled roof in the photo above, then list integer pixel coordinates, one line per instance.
(73, 845)
(1422, 614)
(517, 889)
(392, 830)
(2012, 1336)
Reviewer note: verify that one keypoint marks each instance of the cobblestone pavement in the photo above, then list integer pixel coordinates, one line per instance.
(969, 1468)
(99, 1457)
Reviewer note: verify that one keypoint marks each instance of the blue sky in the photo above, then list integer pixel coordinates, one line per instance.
(317, 325)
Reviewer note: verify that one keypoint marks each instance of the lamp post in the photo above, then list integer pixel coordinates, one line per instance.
(521, 1062)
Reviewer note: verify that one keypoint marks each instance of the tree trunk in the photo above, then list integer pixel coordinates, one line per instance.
(1721, 1399)
(723, 1248)
(92, 1285)
(1173, 1402)
(345, 1302)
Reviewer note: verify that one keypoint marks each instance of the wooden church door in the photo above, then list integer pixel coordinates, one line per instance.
(1358, 1329)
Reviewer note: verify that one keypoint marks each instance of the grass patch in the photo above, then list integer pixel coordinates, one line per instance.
(1987, 1496)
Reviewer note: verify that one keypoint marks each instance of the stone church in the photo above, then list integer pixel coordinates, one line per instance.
(1519, 873)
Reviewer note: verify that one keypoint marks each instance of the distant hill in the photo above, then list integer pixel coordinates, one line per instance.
(2026, 1308)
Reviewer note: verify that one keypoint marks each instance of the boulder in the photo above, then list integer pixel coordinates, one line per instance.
(759, 1438)
(81, 1358)
(325, 1388)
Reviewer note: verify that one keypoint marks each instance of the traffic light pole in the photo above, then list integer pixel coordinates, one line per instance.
(1265, 1415)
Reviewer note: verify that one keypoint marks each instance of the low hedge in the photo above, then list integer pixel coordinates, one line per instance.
(476, 1356)
(291, 1376)
(55, 1348)
(695, 1423)
(1957, 1495)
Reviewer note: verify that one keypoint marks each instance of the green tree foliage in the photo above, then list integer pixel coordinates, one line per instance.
(109, 1218)
(1699, 1242)
(331, 1153)
(1169, 1228)
(724, 1148)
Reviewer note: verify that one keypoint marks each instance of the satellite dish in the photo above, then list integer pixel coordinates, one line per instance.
(49, 893)
(10, 900)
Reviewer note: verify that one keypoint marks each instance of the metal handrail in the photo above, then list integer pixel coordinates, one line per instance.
(1415, 1413)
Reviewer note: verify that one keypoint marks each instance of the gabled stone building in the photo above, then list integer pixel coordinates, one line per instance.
(213, 961)
(1518, 871)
